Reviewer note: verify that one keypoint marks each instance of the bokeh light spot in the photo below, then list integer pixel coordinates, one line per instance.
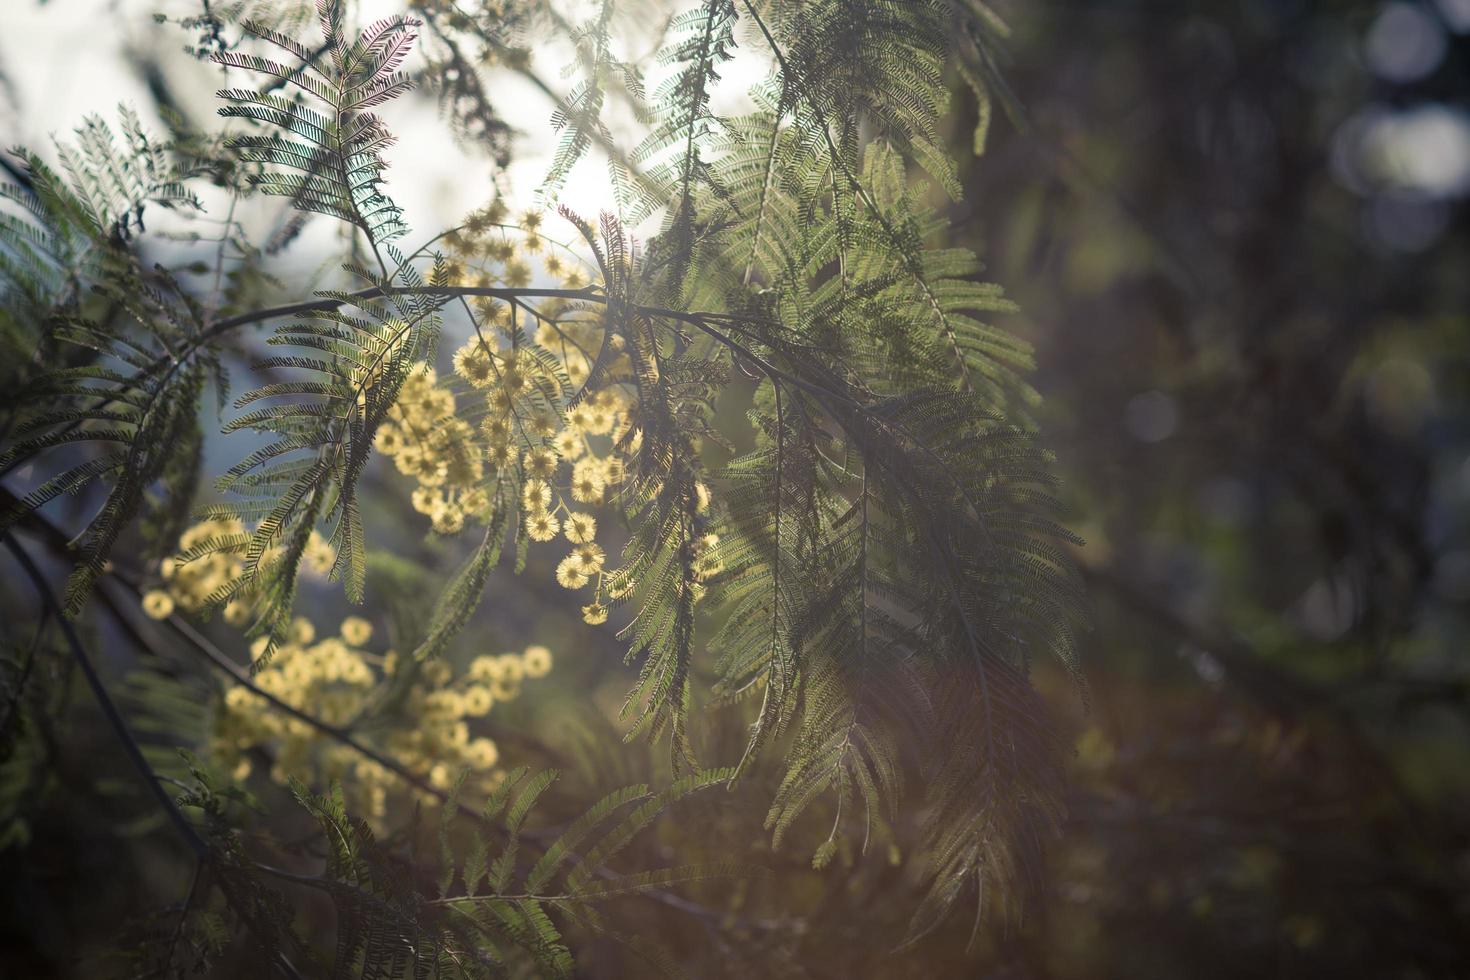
(1404, 44)
(1151, 416)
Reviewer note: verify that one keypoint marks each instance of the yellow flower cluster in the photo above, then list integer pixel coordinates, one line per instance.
(430, 442)
(190, 580)
(338, 681)
(566, 456)
(488, 251)
(426, 440)
(575, 466)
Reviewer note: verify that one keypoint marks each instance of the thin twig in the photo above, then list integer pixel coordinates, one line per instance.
(114, 717)
(57, 539)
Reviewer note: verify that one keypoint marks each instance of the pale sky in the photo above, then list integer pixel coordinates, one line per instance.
(68, 58)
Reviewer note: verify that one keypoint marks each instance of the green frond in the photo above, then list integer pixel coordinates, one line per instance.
(463, 594)
(673, 154)
(61, 234)
(508, 906)
(883, 563)
(564, 848)
(149, 443)
(326, 160)
(579, 116)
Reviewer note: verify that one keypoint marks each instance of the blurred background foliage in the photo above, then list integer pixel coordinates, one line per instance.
(1238, 233)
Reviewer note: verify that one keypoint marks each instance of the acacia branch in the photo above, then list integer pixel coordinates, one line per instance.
(57, 540)
(114, 717)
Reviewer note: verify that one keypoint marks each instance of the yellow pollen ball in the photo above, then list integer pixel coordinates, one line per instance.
(536, 661)
(158, 604)
(356, 631)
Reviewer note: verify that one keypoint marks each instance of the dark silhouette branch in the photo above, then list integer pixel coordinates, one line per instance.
(99, 691)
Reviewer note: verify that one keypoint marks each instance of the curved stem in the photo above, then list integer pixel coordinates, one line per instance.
(109, 709)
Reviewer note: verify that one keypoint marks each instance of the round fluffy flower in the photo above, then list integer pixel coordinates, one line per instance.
(541, 526)
(241, 699)
(581, 528)
(578, 368)
(599, 422)
(356, 631)
(432, 472)
(237, 612)
(319, 556)
(473, 363)
(444, 704)
(300, 632)
(594, 614)
(421, 406)
(499, 454)
(426, 500)
(614, 471)
(355, 670)
(449, 520)
(536, 661)
(212, 528)
(540, 462)
(500, 401)
(389, 440)
(569, 444)
(158, 604)
(491, 310)
(477, 700)
(587, 482)
(481, 753)
(588, 557)
(421, 380)
(536, 496)
(511, 668)
(579, 417)
(485, 668)
(496, 211)
(569, 574)
(497, 429)
(409, 459)
(476, 502)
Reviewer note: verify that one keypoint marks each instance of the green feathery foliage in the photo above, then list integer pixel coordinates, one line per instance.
(67, 229)
(498, 903)
(327, 162)
(884, 563)
(327, 159)
(137, 400)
